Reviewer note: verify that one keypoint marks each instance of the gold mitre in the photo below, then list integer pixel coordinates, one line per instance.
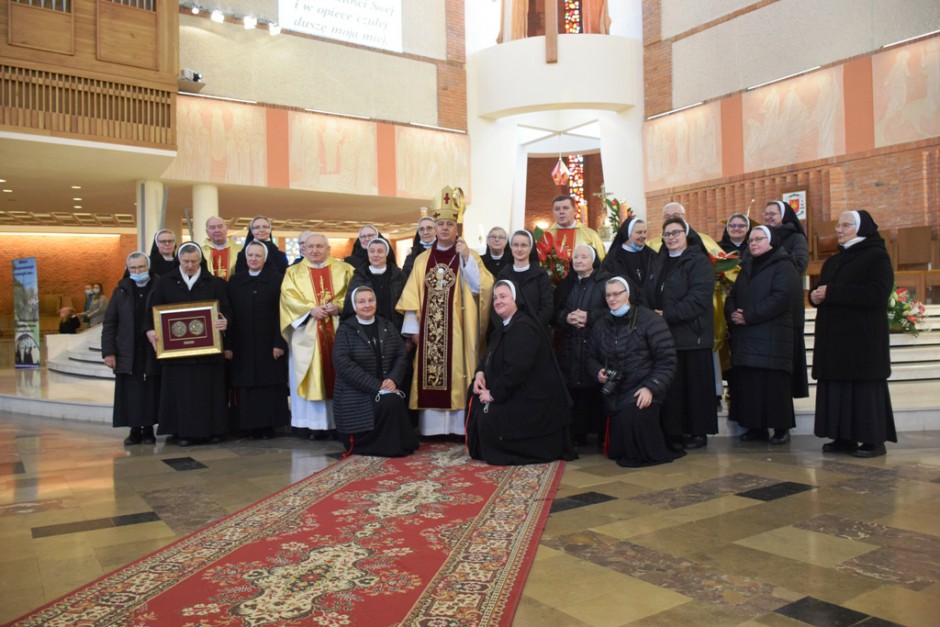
(450, 205)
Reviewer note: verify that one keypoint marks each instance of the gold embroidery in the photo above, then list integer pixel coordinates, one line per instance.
(435, 327)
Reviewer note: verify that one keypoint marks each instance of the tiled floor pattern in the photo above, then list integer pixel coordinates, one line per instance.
(733, 535)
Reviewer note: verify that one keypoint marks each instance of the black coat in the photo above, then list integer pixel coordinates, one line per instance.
(640, 347)
(356, 382)
(795, 242)
(687, 298)
(171, 289)
(123, 333)
(586, 294)
(255, 331)
(396, 284)
(764, 292)
(852, 323)
(529, 395)
(536, 289)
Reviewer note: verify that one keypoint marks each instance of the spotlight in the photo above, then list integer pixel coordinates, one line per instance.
(217, 16)
(274, 29)
(250, 21)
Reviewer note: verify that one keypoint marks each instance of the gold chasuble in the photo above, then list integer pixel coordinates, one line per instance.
(577, 235)
(453, 322)
(311, 343)
(221, 261)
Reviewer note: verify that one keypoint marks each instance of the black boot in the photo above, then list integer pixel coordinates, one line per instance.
(134, 437)
(146, 435)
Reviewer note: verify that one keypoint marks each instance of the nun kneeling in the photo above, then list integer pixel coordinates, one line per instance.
(369, 407)
(633, 356)
(519, 404)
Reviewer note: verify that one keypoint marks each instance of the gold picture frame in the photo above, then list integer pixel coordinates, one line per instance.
(187, 329)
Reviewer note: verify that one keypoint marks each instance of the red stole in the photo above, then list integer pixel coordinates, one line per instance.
(322, 281)
(220, 261)
(565, 237)
(435, 346)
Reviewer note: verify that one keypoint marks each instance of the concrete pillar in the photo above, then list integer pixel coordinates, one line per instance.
(151, 208)
(205, 205)
(622, 156)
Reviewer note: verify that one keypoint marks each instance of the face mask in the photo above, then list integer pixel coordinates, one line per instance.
(88, 292)
(97, 290)
(634, 247)
(143, 277)
(620, 311)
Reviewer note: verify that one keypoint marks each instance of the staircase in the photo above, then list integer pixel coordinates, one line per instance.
(78, 354)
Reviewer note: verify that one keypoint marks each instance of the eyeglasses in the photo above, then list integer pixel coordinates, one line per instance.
(757, 239)
(673, 233)
(166, 241)
(737, 226)
(614, 294)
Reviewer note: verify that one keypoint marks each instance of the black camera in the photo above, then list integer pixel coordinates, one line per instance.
(614, 377)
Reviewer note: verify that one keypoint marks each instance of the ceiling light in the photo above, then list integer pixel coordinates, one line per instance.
(195, 9)
(274, 29)
(3, 180)
(76, 206)
(76, 186)
(217, 16)
(250, 21)
(77, 199)
(8, 191)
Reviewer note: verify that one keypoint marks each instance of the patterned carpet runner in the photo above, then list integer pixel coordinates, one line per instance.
(432, 539)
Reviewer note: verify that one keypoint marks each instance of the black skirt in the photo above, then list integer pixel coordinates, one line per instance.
(136, 400)
(392, 436)
(691, 405)
(192, 400)
(854, 410)
(484, 441)
(635, 438)
(761, 398)
(262, 406)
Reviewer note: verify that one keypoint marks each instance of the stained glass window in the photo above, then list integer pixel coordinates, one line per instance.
(572, 16)
(576, 182)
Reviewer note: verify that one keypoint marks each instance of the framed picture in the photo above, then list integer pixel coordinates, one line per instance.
(797, 200)
(187, 329)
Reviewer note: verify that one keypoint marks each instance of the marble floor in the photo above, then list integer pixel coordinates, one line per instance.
(736, 534)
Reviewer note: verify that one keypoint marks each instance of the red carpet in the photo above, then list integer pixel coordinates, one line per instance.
(432, 539)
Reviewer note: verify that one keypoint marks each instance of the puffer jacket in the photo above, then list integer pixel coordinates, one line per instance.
(687, 298)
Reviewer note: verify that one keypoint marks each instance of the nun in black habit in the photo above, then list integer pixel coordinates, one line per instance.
(518, 410)
(369, 406)
(360, 254)
(385, 279)
(259, 363)
(163, 253)
(530, 277)
(632, 354)
(579, 304)
(628, 255)
(734, 237)
(781, 216)
(260, 230)
(192, 389)
(495, 257)
(125, 349)
(851, 357)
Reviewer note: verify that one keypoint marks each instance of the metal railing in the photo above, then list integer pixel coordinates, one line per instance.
(65, 6)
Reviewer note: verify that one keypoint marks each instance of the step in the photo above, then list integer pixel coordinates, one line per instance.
(901, 355)
(80, 368)
(86, 355)
(929, 371)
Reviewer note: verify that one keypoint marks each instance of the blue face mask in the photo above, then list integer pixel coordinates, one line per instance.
(143, 277)
(620, 311)
(634, 247)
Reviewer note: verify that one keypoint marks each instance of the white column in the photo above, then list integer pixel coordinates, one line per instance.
(622, 156)
(205, 205)
(151, 217)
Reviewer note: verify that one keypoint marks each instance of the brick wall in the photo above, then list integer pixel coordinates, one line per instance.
(64, 264)
(451, 74)
(900, 186)
(657, 61)
(540, 189)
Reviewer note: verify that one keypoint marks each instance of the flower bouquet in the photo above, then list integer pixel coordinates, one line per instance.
(555, 259)
(904, 313)
(722, 264)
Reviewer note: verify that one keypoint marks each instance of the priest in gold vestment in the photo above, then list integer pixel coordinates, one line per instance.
(569, 231)
(219, 250)
(446, 304)
(312, 295)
